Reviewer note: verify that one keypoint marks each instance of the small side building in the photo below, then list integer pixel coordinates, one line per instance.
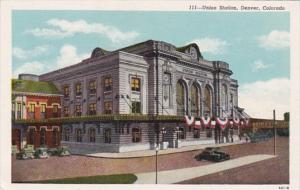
(32, 102)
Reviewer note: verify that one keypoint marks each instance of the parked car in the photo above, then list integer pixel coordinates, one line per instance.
(63, 151)
(213, 154)
(26, 153)
(41, 153)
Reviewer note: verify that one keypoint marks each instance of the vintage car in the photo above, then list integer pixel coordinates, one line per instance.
(41, 153)
(213, 154)
(26, 153)
(63, 151)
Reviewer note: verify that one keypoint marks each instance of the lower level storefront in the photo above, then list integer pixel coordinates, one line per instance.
(39, 136)
(88, 137)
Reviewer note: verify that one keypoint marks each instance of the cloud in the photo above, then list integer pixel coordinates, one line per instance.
(211, 45)
(261, 97)
(22, 54)
(275, 40)
(260, 65)
(60, 28)
(34, 67)
(69, 56)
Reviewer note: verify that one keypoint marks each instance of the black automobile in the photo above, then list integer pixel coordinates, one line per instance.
(213, 154)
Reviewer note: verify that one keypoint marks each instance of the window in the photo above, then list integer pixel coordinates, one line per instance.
(78, 89)
(136, 135)
(18, 110)
(78, 133)
(92, 87)
(92, 133)
(55, 136)
(66, 91)
(135, 84)
(66, 111)
(207, 101)
(43, 136)
(31, 134)
(108, 107)
(55, 111)
(78, 110)
(66, 134)
(195, 100)
(196, 133)
(32, 108)
(136, 107)
(92, 109)
(180, 98)
(13, 110)
(43, 111)
(32, 111)
(107, 84)
(107, 135)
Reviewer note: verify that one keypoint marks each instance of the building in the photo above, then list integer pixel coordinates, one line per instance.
(34, 101)
(136, 97)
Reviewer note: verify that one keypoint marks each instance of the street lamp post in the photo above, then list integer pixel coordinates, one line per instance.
(163, 131)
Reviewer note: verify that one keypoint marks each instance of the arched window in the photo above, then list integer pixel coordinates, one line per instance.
(92, 135)
(136, 135)
(224, 97)
(207, 101)
(55, 137)
(195, 106)
(180, 98)
(78, 133)
(43, 136)
(31, 134)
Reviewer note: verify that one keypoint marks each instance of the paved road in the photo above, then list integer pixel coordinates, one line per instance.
(75, 166)
(175, 176)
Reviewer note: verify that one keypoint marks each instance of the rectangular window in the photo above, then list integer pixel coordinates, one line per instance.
(78, 89)
(107, 84)
(92, 109)
(66, 134)
(136, 84)
(108, 107)
(92, 87)
(32, 108)
(66, 91)
(107, 136)
(78, 110)
(43, 108)
(18, 110)
(13, 110)
(66, 111)
(136, 107)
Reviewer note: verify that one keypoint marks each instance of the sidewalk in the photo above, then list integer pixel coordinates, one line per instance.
(145, 153)
(178, 175)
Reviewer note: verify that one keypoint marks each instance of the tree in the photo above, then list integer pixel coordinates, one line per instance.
(286, 116)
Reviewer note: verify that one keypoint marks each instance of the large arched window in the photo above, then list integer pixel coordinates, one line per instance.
(224, 97)
(55, 137)
(207, 101)
(195, 106)
(31, 134)
(43, 136)
(180, 98)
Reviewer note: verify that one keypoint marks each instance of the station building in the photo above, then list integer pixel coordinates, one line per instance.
(137, 97)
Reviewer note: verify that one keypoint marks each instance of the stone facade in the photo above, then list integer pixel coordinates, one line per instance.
(152, 78)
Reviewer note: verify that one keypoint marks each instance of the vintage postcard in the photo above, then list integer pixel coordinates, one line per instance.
(149, 94)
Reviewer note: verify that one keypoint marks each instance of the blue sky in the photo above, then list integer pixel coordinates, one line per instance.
(256, 45)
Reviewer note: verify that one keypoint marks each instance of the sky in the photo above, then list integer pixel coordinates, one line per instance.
(255, 45)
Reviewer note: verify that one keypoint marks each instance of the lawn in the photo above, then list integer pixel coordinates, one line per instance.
(100, 179)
